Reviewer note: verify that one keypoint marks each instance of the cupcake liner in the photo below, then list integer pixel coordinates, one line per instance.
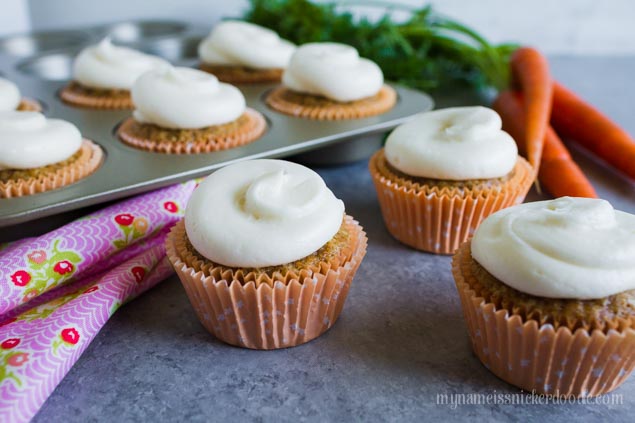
(308, 106)
(29, 105)
(75, 95)
(536, 357)
(89, 159)
(439, 219)
(243, 75)
(220, 137)
(274, 313)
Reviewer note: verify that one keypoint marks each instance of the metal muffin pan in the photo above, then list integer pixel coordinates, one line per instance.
(127, 171)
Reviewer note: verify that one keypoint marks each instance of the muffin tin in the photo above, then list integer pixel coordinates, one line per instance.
(41, 65)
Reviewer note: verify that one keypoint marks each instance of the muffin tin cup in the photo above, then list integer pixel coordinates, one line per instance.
(268, 317)
(26, 45)
(438, 220)
(136, 31)
(537, 358)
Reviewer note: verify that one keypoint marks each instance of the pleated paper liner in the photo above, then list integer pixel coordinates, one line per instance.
(309, 106)
(78, 95)
(242, 74)
(29, 105)
(18, 183)
(438, 219)
(540, 358)
(247, 128)
(265, 312)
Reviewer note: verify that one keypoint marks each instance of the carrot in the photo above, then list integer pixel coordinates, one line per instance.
(558, 173)
(577, 120)
(530, 73)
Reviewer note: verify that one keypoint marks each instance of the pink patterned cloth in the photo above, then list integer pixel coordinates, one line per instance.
(58, 290)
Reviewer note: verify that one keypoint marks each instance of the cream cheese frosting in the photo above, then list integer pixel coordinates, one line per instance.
(577, 248)
(9, 95)
(261, 213)
(334, 71)
(105, 65)
(458, 143)
(236, 43)
(185, 98)
(29, 140)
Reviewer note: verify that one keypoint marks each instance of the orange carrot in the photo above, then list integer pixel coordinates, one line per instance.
(577, 120)
(530, 72)
(559, 174)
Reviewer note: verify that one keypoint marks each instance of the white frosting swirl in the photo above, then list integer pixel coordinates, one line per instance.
(237, 43)
(458, 143)
(261, 213)
(9, 95)
(566, 248)
(107, 66)
(185, 98)
(29, 140)
(334, 71)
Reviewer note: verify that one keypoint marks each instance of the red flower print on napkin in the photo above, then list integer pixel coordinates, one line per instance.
(7, 344)
(17, 359)
(124, 219)
(21, 278)
(139, 273)
(63, 267)
(70, 336)
(171, 206)
(37, 256)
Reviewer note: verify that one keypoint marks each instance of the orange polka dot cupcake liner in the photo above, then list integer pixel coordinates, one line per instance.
(308, 106)
(87, 160)
(277, 313)
(438, 219)
(536, 357)
(246, 129)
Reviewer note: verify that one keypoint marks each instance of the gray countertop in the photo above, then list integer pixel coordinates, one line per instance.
(400, 342)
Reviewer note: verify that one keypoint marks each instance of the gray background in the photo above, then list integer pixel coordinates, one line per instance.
(555, 26)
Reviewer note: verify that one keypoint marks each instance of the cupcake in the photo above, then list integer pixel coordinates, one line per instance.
(443, 172)
(39, 154)
(243, 53)
(103, 75)
(10, 99)
(270, 266)
(548, 293)
(330, 81)
(182, 110)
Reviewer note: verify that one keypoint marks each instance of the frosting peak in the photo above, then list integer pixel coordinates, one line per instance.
(566, 248)
(334, 71)
(261, 213)
(236, 43)
(105, 65)
(457, 143)
(9, 95)
(185, 98)
(29, 140)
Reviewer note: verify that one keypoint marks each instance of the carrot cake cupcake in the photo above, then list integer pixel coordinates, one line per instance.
(548, 293)
(272, 265)
(443, 172)
(39, 154)
(330, 81)
(10, 98)
(183, 110)
(242, 53)
(103, 75)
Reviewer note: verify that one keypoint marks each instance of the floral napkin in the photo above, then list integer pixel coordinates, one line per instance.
(58, 290)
